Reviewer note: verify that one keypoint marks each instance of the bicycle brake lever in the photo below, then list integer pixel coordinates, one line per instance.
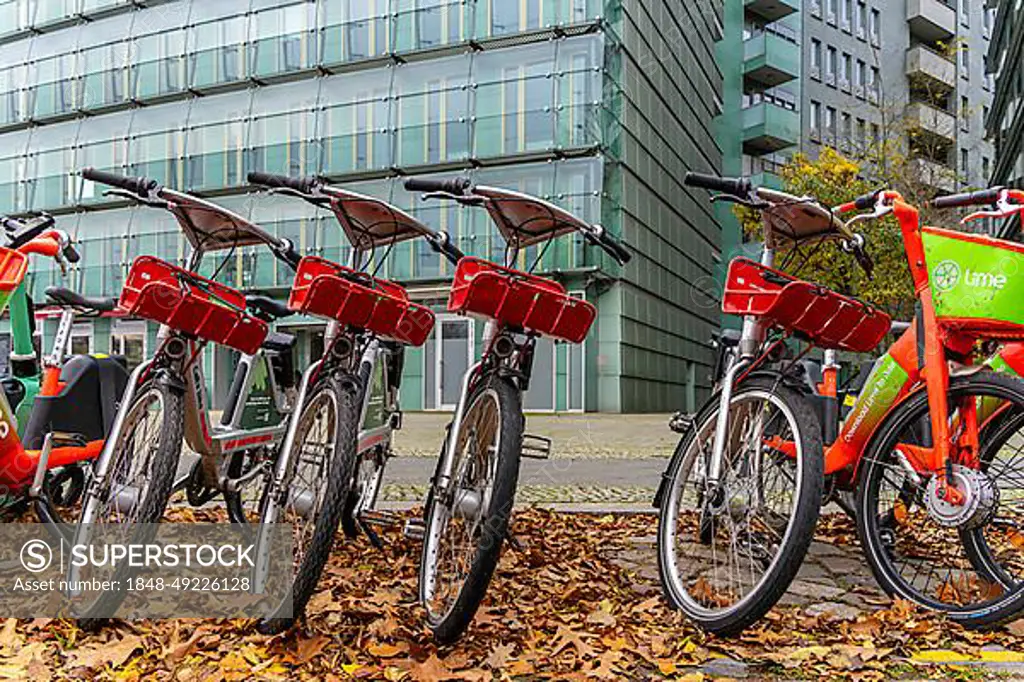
(756, 205)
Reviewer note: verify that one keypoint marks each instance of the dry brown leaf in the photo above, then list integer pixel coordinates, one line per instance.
(430, 670)
(386, 650)
(98, 654)
(499, 656)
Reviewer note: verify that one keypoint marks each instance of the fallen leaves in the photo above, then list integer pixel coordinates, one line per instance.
(558, 609)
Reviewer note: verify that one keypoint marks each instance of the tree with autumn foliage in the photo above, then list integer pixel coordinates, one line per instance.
(834, 179)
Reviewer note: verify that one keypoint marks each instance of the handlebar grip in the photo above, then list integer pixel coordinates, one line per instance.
(441, 243)
(456, 186)
(985, 197)
(866, 201)
(615, 248)
(304, 185)
(739, 187)
(140, 185)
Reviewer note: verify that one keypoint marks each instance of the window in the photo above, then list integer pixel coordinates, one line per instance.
(987, 21)
(815, 58)
(862, 132)
(875, 27)
(862, 20)
(965, 61)
(847, 129)
(847, 71)
(875, 82)
(965, 114)
(965, 12)
(830, 123)
(832, 11)
(861, 77)
(876, 134)
(965, 161)
(846, 14)
(986, 169)
(815, 119)
(985, 111)
(830, 66)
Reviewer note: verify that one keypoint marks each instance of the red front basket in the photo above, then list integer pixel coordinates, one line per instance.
(380, 306)
(191, 304)
(519, 300)
(13, 266)
(827, 318)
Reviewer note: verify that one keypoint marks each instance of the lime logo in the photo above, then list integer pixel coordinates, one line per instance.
(946, 275)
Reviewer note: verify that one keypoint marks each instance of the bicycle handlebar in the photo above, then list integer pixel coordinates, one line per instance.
(612, 246)
(454, 186)
(739, 187)
(304, 185)
(441, 242)
(985, 197)
(140, 185)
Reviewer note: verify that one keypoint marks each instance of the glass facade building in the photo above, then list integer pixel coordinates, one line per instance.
(597, 105)
(1006, 118)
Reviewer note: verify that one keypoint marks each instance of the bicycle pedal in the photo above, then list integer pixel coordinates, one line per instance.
(371, 534)
(536, 447)
(681, 422)
(414, 529)
(380, 518)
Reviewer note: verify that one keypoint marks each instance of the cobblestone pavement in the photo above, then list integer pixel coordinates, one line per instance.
(574, 436)
(833, 579)
(583, 481)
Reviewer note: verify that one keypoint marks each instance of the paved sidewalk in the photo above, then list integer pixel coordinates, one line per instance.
(574, 436)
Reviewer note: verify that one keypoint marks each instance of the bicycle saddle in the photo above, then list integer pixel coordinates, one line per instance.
(268, 306)
(68, 298)
(279, 341)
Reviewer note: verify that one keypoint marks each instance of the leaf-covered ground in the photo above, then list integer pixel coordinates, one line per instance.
(559, 608)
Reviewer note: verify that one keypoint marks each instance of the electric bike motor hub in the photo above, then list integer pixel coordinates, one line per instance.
(981, 497)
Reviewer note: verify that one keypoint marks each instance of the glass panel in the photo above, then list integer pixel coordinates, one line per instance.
(355, 29)
(104, 74)
(283, 39)
(423, 24)
(53, 92)
(215, 142)
(158, 63)
(541, 393)
(215, 52)
(515, 103)
(354, 122)
(433, 111)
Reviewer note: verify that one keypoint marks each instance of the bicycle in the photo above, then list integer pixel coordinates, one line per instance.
(900, 424)
(45, 465)
(472, 492)
(166, 402)
(331, 463)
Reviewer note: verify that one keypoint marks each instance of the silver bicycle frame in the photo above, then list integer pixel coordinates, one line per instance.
(751, 337)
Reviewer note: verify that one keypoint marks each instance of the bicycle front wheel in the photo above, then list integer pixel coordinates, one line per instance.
(727, 550)
(962, 559)
(136, 486)
(467, 520)
(321, 461)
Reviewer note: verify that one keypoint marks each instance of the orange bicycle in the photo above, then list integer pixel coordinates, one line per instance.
(740, 498)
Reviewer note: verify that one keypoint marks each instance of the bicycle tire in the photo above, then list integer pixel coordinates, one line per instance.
(165, 460)
(992, 613)
(449, 626)
(799, 531)
(307, 575)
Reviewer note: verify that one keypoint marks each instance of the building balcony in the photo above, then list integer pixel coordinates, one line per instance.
(931, 20)
(930, 70)
(768, 128)
(936, 176)
(772, 10)
(768, 61)
(931, 121)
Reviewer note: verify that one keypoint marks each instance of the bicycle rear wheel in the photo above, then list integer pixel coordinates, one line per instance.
(945, 557)
(727, 553)
(466, 522)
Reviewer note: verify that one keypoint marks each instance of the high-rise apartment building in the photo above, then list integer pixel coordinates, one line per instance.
(850, 73)
(598, 105)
